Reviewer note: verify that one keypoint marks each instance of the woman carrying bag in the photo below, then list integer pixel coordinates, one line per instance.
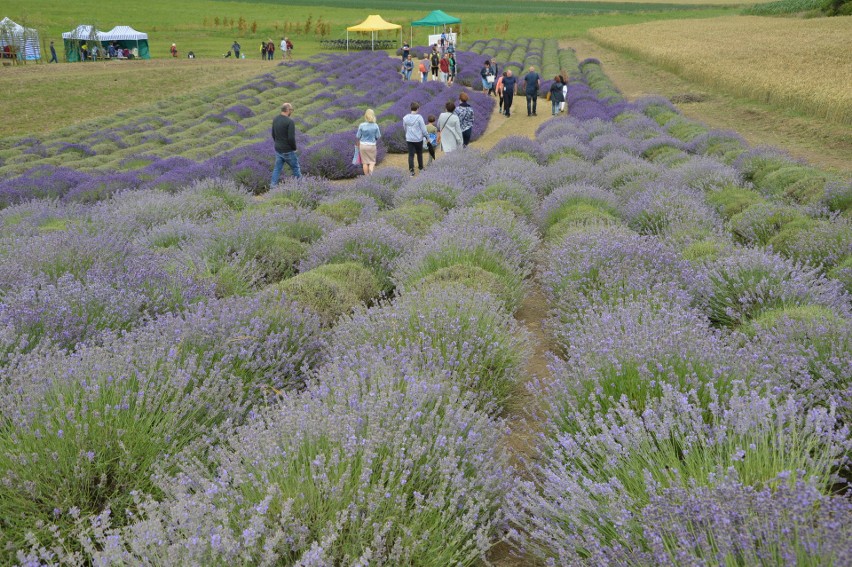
(368, 135)
(449, 129)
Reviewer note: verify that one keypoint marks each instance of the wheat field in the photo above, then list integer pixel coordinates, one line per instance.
(802, 65)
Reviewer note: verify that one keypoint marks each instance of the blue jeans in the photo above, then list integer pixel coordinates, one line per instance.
(407, 74)
(291, 159)
(555, 107)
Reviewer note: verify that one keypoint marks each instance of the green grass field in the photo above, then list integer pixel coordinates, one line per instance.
(208, 27)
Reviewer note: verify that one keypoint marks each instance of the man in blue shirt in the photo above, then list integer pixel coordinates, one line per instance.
(236, 47)
(509, 83)
(533, 83)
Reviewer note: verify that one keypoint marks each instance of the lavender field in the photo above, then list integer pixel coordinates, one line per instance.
(197, 371)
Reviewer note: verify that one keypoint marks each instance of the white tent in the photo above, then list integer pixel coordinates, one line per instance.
(83, 33)
(125, 35)
(122, 33)
(25, 40)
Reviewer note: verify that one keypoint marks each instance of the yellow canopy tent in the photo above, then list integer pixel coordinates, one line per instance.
(373, 24)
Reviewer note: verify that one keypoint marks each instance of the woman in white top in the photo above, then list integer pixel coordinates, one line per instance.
(368, 134)
(564, 102)
(449, 129)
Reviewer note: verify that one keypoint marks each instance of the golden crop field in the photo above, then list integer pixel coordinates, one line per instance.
(804, 65)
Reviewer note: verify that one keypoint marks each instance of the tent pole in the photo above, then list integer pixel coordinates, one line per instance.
(347, 41)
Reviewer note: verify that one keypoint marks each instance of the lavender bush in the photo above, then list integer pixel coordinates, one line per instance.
(388, 441)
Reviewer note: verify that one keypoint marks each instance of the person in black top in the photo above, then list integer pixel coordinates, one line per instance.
(284, 135)
(509, 82)
(236, 47)
(532, 83)
(406, 51)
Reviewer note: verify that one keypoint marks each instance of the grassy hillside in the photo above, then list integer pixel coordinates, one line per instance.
(208, 27)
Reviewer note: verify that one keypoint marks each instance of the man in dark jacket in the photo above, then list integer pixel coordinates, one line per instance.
(533, 83)
(509, 83)
(284, 135)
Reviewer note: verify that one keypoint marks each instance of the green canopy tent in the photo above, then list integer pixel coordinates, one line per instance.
(74, 39)
(127, 37)
(436, 19)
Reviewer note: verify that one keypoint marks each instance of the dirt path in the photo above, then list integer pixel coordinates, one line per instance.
(519, 124)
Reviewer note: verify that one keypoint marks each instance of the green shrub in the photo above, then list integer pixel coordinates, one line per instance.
(511, 277)
(842, 272)
(332, 290)
(501, 205)
(684, 129)
(732, 200)
(758, 223)
(704, 250)
(344, 211)
(805, 314)
(414, 218)
(580, 215)
(473, 277)
(512, 192)
(777, 182)
(240, 266)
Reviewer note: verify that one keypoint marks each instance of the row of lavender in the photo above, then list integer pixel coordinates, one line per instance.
(226, 134)
(698, 411)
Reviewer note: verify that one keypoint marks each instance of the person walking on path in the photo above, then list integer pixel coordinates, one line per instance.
(263, 51)
(406, 51)
(487, 76)
(532, 82)
(495, 72)
(432, 140)
(564, 80)
(424, 68)
(53, 58)
(509, 83)
(270, 50)
(444, 66)
(556, 95)
(451, 59)
(435, 61)
(415, 133)
(465, 113)
(284, 135)
(499, 90)
(449, 129)
(283, 46)
(236, 48)
(407, 68)
(368, 135)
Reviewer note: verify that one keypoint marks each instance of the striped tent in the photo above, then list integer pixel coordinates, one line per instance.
(25, 41)
(126, 36)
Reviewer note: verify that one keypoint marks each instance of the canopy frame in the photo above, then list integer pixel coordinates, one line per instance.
(374, 23)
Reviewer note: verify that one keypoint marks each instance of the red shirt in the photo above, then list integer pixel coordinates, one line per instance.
(444, 65)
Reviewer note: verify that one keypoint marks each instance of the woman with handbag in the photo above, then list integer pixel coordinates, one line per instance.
(449, 129)
(368, 135)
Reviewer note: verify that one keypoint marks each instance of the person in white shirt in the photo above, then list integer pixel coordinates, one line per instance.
(283, 48)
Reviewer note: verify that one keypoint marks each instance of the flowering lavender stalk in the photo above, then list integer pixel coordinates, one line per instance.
(449, 329)
(750, 281)
(376, 244)
(390, 442)
(99, 420)
(594, 481)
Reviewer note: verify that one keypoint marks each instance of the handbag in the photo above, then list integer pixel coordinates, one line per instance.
(489, 78)
(356, 159)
